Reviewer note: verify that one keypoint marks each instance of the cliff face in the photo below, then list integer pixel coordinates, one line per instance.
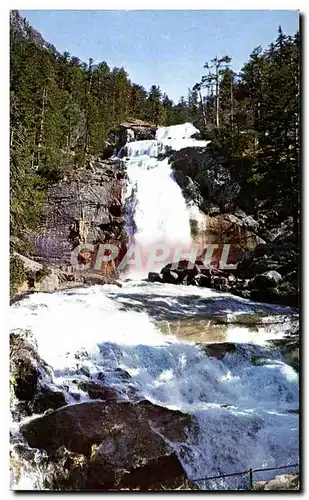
(84, 208)
(20, 29)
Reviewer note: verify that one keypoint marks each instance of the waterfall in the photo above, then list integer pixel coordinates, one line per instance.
(245, 403)
(156, 210)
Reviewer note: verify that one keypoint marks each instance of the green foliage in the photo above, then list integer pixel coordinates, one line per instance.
(18, 274)
(253, 121)
(61, 110)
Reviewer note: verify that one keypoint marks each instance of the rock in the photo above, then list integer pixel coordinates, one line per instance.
(219, 350)
(287, 294)
(24, 359)
(47, 399)
(49, 283)
(169, 276)
(203, 280)
(155, 277)
(129, 131)
(282, 482)
(118, 440)
(279, 233)
(248, 221)
(184, 272)
(28, 377)
(269, 257)
(220, 283)
(172, 277)
(35, 276)
(94, 280)
(220, 230)
(98, 391)
(266, 280)
(266, 295)
(213, 180)
(29, 264)
(289, 347)
(84, 208)
(190, 189)
(245, 294)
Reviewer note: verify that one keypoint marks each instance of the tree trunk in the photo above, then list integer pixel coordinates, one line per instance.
(217, 96)
(44, 100)
(203, 110)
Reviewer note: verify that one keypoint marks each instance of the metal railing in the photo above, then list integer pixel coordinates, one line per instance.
(250, 472)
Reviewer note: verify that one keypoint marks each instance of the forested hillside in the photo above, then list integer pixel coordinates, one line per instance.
(62, 110)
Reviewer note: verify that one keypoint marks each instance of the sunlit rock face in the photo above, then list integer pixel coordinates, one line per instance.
(82, 209)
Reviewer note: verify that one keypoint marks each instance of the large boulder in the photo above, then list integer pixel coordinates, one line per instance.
(182, 272)
(121, 440)
(32, 276)
(266, 280)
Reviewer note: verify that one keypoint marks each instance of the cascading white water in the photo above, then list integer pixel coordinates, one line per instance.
(157, 212)
(242, 403)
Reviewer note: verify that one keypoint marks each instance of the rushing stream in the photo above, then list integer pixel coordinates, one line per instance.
(157, 333)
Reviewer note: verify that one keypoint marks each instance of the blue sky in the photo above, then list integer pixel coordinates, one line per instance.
(166, 48)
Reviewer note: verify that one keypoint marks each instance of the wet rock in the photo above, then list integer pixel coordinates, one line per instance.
(289, 348)
(245, 294)
(28, 377)
(190, 189)
(283, 482)
(24, 359)
(98, 391)
(94, 280)
(203, 280)
(118, 439)
(155, 277)
(285, 294)
(220, 283)
(170, 276)
(266, 295)
(219, 350)
(182, 272)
